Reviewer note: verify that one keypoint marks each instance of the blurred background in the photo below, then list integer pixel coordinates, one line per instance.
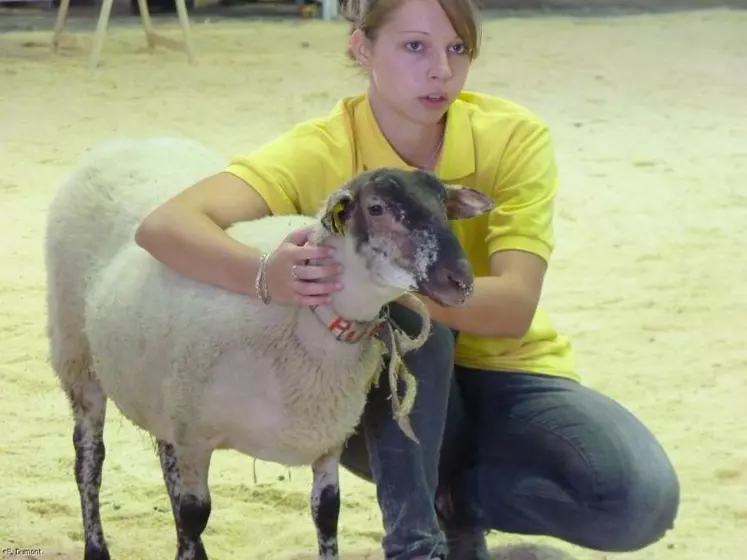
(647, 103)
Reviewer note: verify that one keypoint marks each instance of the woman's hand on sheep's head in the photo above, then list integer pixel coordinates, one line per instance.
(302, 274)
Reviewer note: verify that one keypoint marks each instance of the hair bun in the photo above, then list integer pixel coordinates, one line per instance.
(354, 11)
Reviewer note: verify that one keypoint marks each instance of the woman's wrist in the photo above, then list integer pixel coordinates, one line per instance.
(260, 282)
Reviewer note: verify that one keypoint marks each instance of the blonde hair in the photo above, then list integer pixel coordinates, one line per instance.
(370, 15)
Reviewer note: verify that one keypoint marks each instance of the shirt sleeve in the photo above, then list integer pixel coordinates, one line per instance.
(295, 172)
(524, 193)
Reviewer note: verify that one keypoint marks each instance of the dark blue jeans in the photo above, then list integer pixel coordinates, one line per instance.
(521, 453)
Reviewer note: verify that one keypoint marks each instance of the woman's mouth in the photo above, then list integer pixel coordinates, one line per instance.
(434, 101)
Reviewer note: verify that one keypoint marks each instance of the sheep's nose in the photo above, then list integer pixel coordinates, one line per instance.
(460, 277)
(453, 284)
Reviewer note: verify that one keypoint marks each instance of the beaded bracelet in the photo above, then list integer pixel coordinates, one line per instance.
(260, 284)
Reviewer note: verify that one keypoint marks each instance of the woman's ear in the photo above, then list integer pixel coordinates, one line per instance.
(359, 47)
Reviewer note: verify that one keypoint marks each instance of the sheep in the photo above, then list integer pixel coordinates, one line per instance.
(202, 369)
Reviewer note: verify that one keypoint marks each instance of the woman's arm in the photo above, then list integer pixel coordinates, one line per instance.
(519, 241)
(503, 304)
(187, 234)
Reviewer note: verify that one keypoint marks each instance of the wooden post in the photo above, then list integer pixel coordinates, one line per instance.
(330, 9)
(151, 37)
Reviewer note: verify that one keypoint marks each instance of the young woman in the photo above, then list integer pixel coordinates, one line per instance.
(510, 440)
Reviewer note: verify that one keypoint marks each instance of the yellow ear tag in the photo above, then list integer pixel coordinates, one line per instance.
(337, 225)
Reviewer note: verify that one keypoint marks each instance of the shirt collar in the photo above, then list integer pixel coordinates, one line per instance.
(458, 155)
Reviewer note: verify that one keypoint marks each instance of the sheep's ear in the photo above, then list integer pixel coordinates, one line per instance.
(466, 202)
(337, 211)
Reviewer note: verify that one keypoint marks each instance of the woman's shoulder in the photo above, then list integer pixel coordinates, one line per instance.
(315, 142)
(503, 131)
(333, 126)
(328, 131)
(302, 165)
(487, 110)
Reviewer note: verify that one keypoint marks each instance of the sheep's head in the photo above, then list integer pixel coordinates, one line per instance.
(398, 222)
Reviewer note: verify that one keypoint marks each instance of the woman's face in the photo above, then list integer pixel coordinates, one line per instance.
(417, 64)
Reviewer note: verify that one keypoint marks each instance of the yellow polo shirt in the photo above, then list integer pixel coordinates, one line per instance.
(491, 144)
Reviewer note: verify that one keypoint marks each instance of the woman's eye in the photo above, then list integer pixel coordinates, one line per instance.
(413, 46)
(459, 49)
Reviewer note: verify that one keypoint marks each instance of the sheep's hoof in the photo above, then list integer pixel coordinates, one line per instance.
(191, 550)
(96, 552)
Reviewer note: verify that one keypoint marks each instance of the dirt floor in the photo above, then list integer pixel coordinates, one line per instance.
(648, 278)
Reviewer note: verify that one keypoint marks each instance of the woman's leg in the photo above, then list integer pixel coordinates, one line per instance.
(556, 458)
(406, 473)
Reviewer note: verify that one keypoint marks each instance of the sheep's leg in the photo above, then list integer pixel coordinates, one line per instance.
(88, 402)
(172, 479)
(185, 471)
(325, 504)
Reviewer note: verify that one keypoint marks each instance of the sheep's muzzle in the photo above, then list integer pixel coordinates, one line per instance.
(450, 285)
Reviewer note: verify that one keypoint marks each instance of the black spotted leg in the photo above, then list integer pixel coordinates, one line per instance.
(325, 504)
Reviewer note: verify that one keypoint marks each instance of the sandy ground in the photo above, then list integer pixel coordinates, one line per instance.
(648, 276)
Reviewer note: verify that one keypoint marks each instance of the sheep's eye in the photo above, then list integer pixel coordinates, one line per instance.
(376, 209)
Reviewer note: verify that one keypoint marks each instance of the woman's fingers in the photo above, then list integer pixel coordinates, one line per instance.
(312, 252)
(303, 288)
(299, 236)
(316, 272)
(308, 273)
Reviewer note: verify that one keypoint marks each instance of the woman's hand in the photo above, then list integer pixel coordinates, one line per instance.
(290, 280)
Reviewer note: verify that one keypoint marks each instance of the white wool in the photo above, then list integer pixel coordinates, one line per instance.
(185, 361)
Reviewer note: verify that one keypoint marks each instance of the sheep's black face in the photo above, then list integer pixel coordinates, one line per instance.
(399, 221)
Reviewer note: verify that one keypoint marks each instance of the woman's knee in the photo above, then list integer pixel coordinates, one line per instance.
(630, 489)
(643, 513)
(642, 505)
